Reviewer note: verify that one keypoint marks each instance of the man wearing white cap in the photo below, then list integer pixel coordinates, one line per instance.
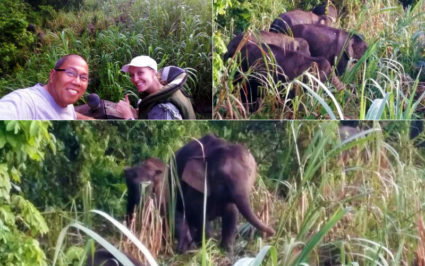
(161, 93)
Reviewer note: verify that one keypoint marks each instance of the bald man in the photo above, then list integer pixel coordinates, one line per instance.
(54, 101)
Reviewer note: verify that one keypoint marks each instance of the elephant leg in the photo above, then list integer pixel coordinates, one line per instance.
(184, 238)
(249, 95)
(133, 198)
(194, 205)
(228, 231)
(196, 232)
(342, 64)
(196, 220)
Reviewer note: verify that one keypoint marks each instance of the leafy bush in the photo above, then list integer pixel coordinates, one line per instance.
(20, 222)
(15, 40)
(63, 4)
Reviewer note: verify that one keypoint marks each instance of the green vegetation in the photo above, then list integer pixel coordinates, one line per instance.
(108, 34)
(330, 201)
(20, 222)
(387, 83)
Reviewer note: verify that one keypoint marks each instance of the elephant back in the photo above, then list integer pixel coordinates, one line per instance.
(287, 20)
(287, 43)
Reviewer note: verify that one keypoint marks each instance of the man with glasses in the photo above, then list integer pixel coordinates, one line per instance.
(54, 101)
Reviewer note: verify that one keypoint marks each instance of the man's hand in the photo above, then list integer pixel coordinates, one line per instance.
(124, 108)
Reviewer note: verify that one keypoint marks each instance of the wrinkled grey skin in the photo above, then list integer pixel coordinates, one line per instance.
(290, 65)
(270, 38)
(229, 184)
(331, 43)
(287, 20)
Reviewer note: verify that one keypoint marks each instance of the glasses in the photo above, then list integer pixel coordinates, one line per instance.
(73, 74)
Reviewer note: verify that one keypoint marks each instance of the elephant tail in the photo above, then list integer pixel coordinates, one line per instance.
(245, 209)
(337, 83)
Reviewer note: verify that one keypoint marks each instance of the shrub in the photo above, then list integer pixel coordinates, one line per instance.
(14, 37)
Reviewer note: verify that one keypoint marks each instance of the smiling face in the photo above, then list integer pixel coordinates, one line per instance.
(66, 89)
(144, 79)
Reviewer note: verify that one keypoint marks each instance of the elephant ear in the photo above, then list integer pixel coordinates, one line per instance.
(349, 51)
(356, 47)
(194, 174)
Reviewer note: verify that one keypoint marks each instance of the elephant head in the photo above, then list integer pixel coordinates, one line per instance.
(324, 9)
(356, 47)
(153, 170)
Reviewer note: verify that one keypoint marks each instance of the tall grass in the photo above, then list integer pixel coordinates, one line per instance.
(396, 36)
(355, 201)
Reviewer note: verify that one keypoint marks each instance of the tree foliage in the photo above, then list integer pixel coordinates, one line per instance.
(14, 37)
(20, 222)
(63, 4)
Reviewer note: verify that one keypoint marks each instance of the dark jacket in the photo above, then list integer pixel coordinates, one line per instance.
(172, 92)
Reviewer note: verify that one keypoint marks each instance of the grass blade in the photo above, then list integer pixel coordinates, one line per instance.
(377, 108)
(319, 235)
(127, 233)
(121, 257)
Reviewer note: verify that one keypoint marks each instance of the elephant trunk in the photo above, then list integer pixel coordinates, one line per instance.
(133, 196)
(337, 83)
(242, 202)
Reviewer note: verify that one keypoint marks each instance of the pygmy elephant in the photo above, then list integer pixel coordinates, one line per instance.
(230, 172)
(326, 9)
(270, 38)
(333, 44)
(152, 170)
(287, 20)
(288, 65)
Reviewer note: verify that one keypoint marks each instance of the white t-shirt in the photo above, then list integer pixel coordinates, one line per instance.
(33, 103)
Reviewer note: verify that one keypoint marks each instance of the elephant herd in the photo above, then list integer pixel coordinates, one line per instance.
(230, 172)
(297, 40)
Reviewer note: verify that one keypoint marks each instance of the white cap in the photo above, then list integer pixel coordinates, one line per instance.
(141, 61)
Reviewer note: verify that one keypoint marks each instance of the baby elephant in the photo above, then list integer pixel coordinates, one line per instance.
(287, 20)
(152, 170)
(286, 42)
